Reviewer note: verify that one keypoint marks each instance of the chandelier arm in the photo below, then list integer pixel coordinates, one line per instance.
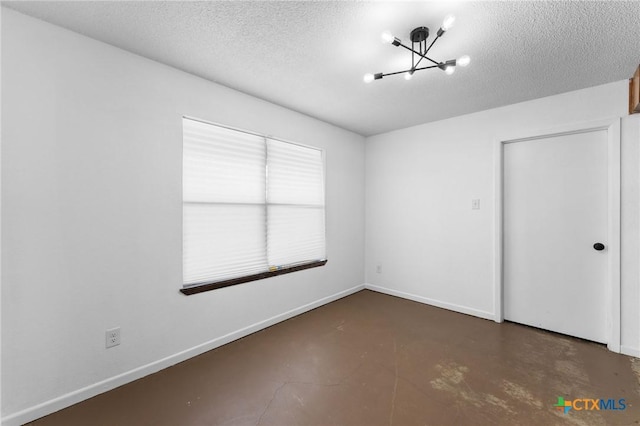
(425, 57)
(397, 72)
(402, 72)
(426, 68)
(432, 43)
(418, 63)
(418, 53)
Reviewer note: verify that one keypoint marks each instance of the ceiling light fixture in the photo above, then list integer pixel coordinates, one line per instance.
(419, 37)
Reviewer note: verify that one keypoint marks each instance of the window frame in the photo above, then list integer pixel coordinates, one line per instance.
(189, 289)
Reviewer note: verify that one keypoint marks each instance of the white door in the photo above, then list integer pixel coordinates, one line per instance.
(555, 210)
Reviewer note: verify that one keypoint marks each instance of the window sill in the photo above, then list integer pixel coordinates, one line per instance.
(200, 288)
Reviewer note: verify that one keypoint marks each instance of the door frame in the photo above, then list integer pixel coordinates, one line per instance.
(612, 127)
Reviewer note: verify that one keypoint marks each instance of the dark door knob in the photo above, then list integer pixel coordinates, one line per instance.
(598, 246)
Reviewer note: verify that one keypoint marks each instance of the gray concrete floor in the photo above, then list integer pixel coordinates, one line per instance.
(372, 359)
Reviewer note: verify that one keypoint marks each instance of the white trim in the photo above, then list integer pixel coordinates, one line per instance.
(612, 127)
(433, 302)
(628, 350)
(614, 311)
(53, 405)
(0, 223)
(497, 229)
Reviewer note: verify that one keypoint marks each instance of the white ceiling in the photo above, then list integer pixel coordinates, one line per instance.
(310, 56)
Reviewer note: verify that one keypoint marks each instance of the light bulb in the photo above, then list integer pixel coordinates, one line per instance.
(450, 70)
(387, 37)
(448, 22)
(463, 61)
(368, 78)
(408, 75)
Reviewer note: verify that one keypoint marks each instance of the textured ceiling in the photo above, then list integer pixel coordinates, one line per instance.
(310, 56)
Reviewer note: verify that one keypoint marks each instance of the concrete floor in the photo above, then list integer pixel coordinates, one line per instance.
(372, 359)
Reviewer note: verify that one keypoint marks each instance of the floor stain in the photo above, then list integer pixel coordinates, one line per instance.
(585, 419)
(570, 369)
(453, 381)
(520, 394)
(635, 367)
(563, 346)
(501, 403)
(452, 373)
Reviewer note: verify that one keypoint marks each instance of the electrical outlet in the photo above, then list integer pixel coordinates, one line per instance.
(112, 337)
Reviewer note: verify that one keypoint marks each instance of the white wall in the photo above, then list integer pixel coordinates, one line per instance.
(420, 182)
(91, 217)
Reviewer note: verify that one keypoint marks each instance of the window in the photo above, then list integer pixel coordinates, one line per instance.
(253, 207)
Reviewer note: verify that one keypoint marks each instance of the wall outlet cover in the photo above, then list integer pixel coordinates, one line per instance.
(112, 337)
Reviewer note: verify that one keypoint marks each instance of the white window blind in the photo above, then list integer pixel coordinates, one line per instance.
(250, 204)
(295, 204)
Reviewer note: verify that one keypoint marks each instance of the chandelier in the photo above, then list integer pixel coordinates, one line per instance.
(419, 52)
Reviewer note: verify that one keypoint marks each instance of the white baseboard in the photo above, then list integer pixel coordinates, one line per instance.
(628, 350)
(56, 404)
(432, 302)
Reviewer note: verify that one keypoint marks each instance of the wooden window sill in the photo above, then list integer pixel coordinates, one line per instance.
(199, 288)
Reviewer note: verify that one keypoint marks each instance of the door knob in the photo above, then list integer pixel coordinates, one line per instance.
(598, 246)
